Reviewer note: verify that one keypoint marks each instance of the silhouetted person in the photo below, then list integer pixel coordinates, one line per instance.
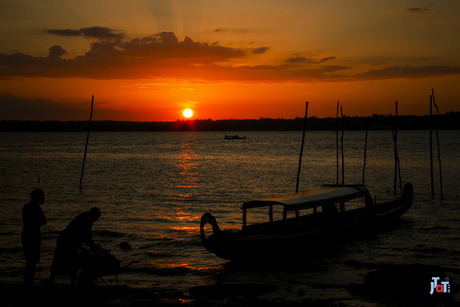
(78, 232)
(32, 218)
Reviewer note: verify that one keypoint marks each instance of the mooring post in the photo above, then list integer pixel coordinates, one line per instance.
(431, 144)
(301, 148)
(87, 138)
(337, 141)
(437, 143)
(395, 140)
(343, 159)
(365, 148)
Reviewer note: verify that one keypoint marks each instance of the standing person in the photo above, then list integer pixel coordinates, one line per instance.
(32, 218)
(78, 232)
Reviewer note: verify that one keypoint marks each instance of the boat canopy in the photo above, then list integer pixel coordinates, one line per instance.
(311, 199)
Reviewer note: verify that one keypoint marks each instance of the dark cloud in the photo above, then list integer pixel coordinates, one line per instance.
(56, 51)
(235, 30)
(327, 59)
(106, 59)
(260, 50)
(164, 55)
(92, 32)
(409, 72)
(166, 45)
(301, 59)
(416, 10)
(285, 73)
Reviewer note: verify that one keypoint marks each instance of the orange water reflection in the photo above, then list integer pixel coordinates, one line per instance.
(186, 229)
(168, 265)
(181, 216)
(176, 301)
(186, 189)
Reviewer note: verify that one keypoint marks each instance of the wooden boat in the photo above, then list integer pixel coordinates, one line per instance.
(309, 219)
(234, 137)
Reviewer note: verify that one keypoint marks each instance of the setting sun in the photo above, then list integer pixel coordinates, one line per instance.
(187, 113)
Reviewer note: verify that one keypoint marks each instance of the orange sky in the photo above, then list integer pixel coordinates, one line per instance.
(149, 60)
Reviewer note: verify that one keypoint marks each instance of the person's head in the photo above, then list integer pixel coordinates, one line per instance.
(95, 213)
(38, 196)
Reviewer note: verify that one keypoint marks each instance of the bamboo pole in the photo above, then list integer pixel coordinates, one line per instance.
(437, 143)
(397, 165)
(365, 148)
(337, 141)
(431, 144)
(343, 161)
(399, 176)
(301, 148)
(342, 204)
(87, 138)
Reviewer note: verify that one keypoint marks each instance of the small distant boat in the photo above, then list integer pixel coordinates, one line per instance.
(234, 137)
(332, 213)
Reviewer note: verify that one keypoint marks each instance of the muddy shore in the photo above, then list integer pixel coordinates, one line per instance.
(388, 286)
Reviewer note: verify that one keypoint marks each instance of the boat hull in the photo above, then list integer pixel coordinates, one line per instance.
(297, 234)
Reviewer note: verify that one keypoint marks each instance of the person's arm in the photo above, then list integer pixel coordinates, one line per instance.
(41, 219)
(87, 237)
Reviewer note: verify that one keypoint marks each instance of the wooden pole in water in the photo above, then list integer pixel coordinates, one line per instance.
(395, 140)
(87, 138)
(343, 161)
(431, 144)
(365, 148)
(337, 141)
(301, 148)
(437, 143)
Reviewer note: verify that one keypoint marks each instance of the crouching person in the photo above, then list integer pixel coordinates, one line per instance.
(66, 257)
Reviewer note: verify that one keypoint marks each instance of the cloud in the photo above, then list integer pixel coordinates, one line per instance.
(260, 50)
(416, 10)
(56, 52)
(93, 32)
(301, 59)
(284, 73)
(166, 45)
(119, 59)
(409, 72)
(164, 55)
(327, 59)
(235, 30)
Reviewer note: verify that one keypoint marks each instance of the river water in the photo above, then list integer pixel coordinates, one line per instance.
(153, 187)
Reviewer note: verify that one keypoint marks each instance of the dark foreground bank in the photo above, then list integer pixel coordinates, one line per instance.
(13, 295)
(407, 285)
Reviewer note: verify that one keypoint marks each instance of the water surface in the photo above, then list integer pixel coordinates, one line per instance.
(153, 187)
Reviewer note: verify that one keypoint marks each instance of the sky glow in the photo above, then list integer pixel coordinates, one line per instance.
(148, 60)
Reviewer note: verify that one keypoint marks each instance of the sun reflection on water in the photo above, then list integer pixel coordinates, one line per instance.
(188, 175)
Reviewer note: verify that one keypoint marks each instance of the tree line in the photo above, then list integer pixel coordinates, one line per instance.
(449, 120)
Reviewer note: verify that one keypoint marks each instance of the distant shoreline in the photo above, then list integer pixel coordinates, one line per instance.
(448, 121)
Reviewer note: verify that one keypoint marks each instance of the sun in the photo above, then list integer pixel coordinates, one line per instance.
(187, 113)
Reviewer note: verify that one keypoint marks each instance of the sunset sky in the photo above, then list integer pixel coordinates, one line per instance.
(147, 60)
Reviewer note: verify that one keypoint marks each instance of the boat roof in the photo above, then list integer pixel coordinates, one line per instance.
(311, 199)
